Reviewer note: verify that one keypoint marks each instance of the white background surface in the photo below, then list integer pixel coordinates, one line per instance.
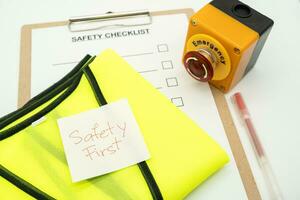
(271, 89)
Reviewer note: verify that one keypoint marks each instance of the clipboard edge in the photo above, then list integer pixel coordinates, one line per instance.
(236, 145)
(187, 11)
(24, 66)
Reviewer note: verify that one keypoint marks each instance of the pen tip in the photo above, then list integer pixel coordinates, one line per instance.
(239, 101)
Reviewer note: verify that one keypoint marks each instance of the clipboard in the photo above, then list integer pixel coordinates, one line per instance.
(220, 101)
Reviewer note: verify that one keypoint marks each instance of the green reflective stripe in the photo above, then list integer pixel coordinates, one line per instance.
(23, 185)
(27, 122)
(69, 84)
(95, 87)
(153, 187)
(46, 95)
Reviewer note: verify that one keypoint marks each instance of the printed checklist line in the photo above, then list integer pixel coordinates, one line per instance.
(65, 63)
(124, 56)
(146, 71)
(138, 54)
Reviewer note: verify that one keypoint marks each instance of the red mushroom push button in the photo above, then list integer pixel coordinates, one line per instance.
(206, 59)
(200, 65)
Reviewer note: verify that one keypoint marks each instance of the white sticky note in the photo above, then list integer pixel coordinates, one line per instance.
(102, 140)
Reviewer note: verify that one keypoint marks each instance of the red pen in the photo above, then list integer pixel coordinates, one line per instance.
(262, 159)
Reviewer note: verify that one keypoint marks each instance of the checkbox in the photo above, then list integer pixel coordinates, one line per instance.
(177, 101)
(162, 48)
(172, 82)
(167, 64)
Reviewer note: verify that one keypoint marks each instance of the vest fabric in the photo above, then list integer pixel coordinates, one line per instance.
(32, 159)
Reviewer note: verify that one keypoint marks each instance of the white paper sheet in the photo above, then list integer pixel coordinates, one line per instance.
(102, 140)
(156, 54)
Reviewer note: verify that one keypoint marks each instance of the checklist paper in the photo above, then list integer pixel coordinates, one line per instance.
(155, 51)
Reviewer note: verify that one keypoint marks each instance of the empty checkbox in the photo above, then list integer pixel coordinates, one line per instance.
(167, 64)
(177, 101)
(162, 48)
(172, 82)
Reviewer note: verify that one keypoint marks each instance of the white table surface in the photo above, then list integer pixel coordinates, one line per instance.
(271, 89)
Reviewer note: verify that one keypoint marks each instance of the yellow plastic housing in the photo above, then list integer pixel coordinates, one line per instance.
(238, 40)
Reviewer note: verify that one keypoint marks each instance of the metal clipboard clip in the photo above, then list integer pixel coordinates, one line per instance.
(109, 20)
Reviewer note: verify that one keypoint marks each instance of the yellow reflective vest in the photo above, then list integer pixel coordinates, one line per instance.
(32, 159)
